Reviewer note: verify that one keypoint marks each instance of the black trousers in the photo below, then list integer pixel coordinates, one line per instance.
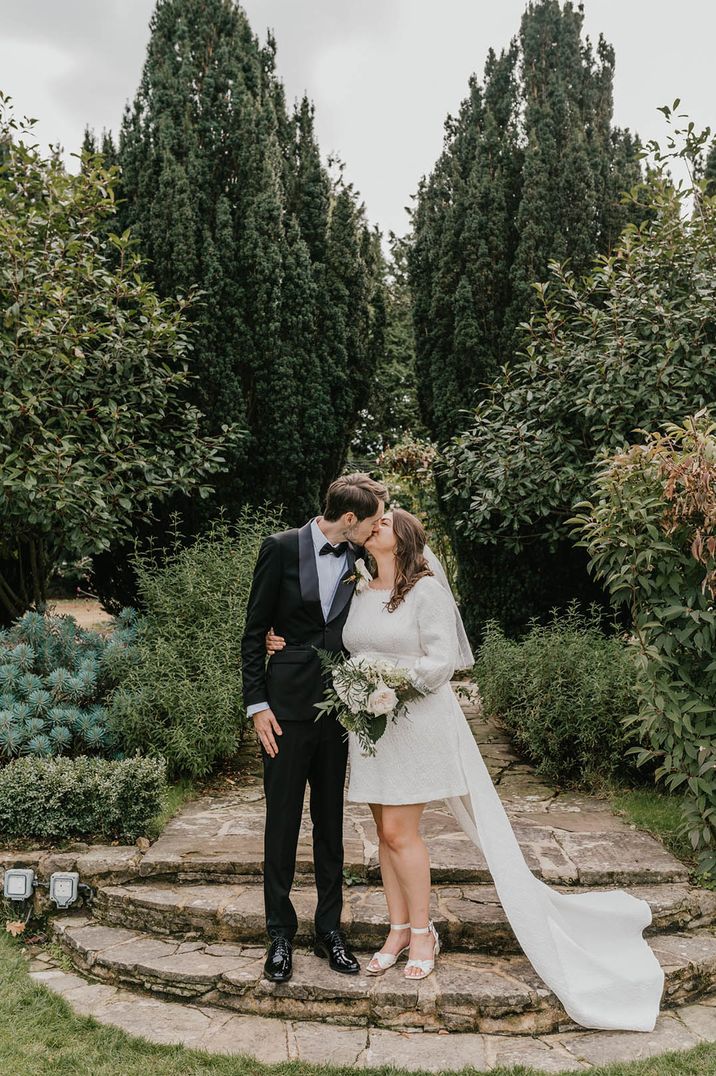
(315, 752)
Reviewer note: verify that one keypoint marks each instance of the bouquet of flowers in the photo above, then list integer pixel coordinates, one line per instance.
(365, 694)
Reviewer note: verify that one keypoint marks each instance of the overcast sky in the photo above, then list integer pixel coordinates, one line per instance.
(383, 73)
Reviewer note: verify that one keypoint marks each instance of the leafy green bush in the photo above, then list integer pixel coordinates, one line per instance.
(96, 423)
(182, 698)
(631, 344)
(63, 798)
(650, 531)
(565, 691)
(54, 681)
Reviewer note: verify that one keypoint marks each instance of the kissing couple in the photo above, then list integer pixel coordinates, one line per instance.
(396, 605)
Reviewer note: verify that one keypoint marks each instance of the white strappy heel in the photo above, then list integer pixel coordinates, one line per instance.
(425, 966)
(387, 960)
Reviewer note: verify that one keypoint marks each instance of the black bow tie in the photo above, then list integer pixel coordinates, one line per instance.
(336, 550)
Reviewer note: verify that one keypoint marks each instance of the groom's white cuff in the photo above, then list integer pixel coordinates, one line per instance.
(255, 707)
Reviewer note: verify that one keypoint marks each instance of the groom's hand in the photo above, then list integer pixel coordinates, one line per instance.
(266, 725)
(274, 642)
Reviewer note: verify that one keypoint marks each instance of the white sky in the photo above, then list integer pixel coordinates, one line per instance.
(383, 73)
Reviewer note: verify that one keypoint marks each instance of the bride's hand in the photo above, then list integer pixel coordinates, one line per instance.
(274, 642)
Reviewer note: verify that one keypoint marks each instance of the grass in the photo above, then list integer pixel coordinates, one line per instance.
(178, 793)
(39, 1034)
(656, 812)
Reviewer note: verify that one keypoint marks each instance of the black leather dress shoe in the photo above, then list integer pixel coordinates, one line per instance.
(279, 964)
(333, 946)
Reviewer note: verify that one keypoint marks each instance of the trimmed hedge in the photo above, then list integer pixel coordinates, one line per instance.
(64, 798)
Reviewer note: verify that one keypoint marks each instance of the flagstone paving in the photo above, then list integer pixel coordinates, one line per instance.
(567, 838)
(173, 945)
(468, 917)
(271, 1039)
(467, 991)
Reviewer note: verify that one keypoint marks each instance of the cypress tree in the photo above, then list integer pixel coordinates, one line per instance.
(463, 244)
(575, 165)
(224, 188)
(391, 411)
(531, 170)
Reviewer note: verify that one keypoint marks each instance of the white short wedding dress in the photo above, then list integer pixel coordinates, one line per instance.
(587, 947)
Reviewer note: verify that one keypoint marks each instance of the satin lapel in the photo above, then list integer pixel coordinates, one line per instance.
(307, 570)
(344, 590)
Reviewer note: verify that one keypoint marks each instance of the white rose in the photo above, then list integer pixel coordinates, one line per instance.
(382, 700)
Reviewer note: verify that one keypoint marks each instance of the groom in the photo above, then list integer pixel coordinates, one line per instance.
(302, 589)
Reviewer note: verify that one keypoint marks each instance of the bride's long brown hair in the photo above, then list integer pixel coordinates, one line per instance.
(410, 562)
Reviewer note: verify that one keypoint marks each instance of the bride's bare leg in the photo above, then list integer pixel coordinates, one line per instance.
(400, 826)
(394, 896)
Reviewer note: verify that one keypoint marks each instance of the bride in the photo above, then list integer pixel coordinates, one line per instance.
(587, 947)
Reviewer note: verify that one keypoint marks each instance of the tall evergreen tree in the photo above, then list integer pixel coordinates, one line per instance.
(575, 165)
(391, 409)
(223, 187)
(531, 170)
(464, 238)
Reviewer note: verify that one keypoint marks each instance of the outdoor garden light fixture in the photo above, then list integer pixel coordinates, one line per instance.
(63, 887)
(18, 883)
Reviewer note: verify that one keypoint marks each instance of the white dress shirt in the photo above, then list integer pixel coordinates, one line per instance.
(331, 570)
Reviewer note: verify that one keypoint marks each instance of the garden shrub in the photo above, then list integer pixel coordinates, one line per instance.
(54, 681)
(98, 420)
(650, 530)
(182, 697)
(565, 691)
(630, 344)
(58, 799)
(407, 467)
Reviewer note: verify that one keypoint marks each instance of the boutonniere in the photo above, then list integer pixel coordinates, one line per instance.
(360, 576)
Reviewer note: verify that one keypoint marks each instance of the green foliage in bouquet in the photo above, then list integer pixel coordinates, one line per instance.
(55, 679)
(364, 695)
(650, 530)
(64, 798)
(565, 691)
(182, 697)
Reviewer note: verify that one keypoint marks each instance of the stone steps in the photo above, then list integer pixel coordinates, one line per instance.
(220, 1031)
(468, 917)
(556, 854)
(469, 992)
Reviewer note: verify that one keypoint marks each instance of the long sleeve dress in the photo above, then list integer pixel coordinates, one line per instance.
(587, 947)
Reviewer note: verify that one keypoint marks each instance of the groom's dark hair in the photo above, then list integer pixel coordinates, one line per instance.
(358, 493)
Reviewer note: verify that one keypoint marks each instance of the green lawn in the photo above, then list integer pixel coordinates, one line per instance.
(39, 1034)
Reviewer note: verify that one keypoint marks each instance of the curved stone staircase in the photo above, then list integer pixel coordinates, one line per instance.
(186, 925)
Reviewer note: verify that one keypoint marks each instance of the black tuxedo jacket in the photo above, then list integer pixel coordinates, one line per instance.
(285, 595)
